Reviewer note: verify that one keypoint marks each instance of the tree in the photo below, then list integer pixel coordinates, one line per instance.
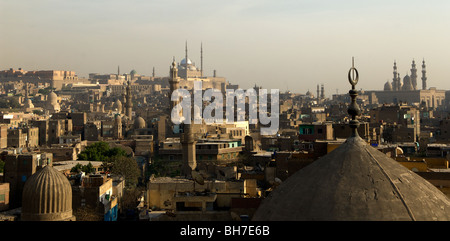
(127, 168)
(101, 152)
(89, 168)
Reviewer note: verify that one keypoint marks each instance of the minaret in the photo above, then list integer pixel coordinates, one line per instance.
(394, 80)
(174, 83)
(188, 144)
(318, 93)
(153, 72)
(201, 59)
(118, 72)
(129, 104)
(322, 95)
(424, 76)
(414, 75)
(117, 131)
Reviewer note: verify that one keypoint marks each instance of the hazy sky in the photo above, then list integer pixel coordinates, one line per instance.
(291, 44)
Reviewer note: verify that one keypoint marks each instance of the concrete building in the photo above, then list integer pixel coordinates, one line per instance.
(96, 191)
(4, 196)
(191, 201)
(18, 168)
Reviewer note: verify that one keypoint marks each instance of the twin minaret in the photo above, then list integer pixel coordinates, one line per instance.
(409, 82)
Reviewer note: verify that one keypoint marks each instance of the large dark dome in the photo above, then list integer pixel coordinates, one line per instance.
(47, 196)
(355, 182)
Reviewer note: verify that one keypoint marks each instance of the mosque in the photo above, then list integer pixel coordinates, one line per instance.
(188, 73)
(406, 90)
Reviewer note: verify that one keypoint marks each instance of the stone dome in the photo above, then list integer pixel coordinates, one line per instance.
(354, 182)
(139, 123)
(52, 103)
(52, 98)
(118, 105)
(388, 86)
(407, 84)
(47, 196)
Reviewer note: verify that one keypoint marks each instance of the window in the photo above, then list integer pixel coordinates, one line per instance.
(2, 197)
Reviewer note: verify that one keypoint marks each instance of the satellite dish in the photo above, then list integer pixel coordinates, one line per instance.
(197, 177)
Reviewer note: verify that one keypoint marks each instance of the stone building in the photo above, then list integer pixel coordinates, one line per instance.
(408, 92)
(17, 138)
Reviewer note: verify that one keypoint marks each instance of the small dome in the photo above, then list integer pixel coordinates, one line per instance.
(407, 85)
(52, 98)
(47, 196)
(192, 68)
(133, 72)
(139, 123)
(388, 86)
(118, 105)
(52, 103)
(183, 61)
(308, 93)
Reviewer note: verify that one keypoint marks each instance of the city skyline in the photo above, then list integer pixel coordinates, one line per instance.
(292, 45)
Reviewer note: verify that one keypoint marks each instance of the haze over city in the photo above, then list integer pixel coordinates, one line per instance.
(288, 45)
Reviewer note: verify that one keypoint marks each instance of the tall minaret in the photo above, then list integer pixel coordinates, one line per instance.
(118, 72)
(318, 93)
(322, 95)
(424, 76)
(414, 75)
(201, 59)
(174, 83)
(129, 104)
(153, 73)
(395, 85)
(188, 150)
(186, 53)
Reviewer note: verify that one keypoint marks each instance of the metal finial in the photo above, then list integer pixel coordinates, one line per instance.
(353, 109)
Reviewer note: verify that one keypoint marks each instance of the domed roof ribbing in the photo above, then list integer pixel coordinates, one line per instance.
(355, 182)
(47, 196)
